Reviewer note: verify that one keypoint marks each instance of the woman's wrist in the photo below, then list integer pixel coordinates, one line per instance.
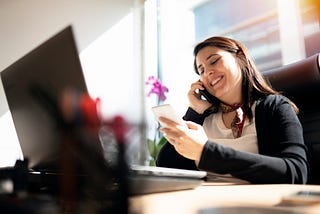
(199, 153)
(198, 109)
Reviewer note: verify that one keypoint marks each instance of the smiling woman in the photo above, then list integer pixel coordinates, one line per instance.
(248, 133)
(218, 72)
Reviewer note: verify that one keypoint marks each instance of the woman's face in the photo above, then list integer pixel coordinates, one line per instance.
(220, 74)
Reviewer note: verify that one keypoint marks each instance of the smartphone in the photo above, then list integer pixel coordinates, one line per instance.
(302, 197)
(209, 97)
(167, 111)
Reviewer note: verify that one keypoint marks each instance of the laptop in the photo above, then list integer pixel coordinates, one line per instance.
(49, 69)
(149, 179)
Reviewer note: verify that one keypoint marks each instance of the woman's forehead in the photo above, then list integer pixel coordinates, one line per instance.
(209, 51)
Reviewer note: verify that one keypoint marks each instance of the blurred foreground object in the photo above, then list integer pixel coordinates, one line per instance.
(104, 182)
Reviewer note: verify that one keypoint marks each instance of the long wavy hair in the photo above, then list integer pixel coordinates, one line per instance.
(254, 86)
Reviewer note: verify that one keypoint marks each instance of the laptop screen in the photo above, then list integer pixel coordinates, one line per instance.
(51, 68)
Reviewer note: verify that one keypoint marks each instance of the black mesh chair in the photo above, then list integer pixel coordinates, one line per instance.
(300, 81)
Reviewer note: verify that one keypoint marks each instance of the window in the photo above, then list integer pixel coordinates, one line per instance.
(311, 25)
(256, 23)
(265, 28)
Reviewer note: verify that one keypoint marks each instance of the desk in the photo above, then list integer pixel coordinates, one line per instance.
(222, 195)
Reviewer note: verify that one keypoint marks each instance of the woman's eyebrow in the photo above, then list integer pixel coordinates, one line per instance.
(211, 55)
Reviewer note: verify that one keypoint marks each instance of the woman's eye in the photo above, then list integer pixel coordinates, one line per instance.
(214, 61)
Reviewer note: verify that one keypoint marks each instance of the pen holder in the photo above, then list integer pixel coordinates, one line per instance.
(102, 182)
(87, 180)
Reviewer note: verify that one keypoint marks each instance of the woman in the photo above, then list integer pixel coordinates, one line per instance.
(244, 130)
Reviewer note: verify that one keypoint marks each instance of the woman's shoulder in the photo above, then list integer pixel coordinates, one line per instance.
(272, 99)
(272, 102)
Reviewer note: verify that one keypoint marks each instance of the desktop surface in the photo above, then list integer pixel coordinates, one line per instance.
(213, 198)
(224, 198)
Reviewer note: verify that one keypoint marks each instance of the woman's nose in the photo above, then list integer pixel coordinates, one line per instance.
(208, 71)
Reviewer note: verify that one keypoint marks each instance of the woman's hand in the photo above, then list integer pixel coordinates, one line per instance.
(188, 139)
(195, 101)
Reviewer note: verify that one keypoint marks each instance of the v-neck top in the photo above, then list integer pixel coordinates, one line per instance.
(217, 132)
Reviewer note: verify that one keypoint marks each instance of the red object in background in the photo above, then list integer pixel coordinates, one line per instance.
(89, 109)
(83, 109)
(120, 128)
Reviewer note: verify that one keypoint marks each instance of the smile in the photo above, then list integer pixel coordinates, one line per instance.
(214, 82)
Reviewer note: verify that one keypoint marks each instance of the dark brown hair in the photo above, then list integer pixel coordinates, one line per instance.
(254, 86)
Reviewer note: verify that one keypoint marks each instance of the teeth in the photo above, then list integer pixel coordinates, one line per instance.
(216, 81)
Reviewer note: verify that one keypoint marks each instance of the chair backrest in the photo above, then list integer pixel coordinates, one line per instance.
(300, 82)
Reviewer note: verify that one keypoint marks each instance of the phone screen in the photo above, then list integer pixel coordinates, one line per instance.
(167, 111)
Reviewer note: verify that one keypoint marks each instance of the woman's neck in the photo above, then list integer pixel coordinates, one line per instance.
(234, 99)
(234, 96)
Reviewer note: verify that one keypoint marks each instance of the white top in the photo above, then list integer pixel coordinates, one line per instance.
(217, 132)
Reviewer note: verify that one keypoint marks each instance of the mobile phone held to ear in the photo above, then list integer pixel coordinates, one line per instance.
(167, 111)
(209, 97)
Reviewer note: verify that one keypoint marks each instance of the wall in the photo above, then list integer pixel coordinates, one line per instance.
(26, 24)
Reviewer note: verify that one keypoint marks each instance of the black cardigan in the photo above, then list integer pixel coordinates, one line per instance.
(282, 154)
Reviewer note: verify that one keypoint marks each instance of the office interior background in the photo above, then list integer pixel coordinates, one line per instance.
(123, 42)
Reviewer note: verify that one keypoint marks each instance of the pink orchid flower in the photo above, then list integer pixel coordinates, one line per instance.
(157, 88)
